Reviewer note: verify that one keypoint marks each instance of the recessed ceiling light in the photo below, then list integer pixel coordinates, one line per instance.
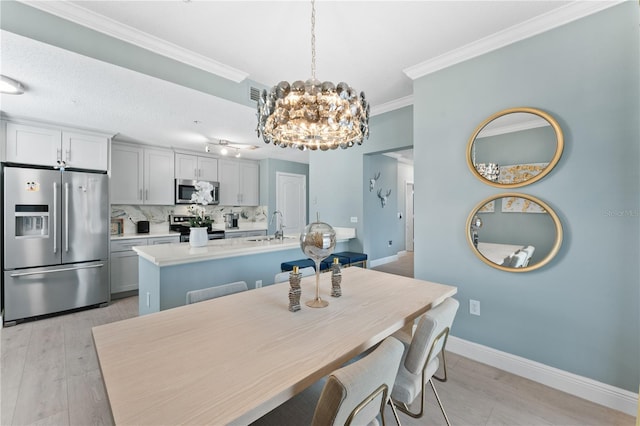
(10, 86)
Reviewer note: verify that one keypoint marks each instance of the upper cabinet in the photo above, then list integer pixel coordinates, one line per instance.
(44, 146)
(239, 182)
(195, 167)
(141, 175)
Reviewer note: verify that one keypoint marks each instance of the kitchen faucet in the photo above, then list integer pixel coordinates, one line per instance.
(279, 234)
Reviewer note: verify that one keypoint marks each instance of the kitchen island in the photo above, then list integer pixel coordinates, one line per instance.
(167, 272)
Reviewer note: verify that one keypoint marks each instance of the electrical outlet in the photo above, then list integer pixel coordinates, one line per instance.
(258, 283)
(148, 299)
(474, 307)
(390, 243)
(354, 219)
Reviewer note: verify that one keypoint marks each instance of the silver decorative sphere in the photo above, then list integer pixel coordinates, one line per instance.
(318, 240)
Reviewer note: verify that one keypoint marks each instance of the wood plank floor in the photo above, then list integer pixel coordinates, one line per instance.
(50, 376)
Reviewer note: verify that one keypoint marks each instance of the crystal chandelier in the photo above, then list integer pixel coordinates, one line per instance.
(313, 115)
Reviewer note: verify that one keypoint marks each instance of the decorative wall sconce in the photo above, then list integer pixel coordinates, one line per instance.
(383, 199)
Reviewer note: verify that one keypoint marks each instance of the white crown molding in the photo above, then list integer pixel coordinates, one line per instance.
(392, 105)
(100, 23)
(556, 18)
(582, 387)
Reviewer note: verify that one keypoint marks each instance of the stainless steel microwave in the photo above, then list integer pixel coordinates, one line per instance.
(185, 188)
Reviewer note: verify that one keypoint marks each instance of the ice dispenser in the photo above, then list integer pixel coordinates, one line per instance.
(32, 221)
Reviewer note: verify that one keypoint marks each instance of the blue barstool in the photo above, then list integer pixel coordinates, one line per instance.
(301, 263)
(351, 258)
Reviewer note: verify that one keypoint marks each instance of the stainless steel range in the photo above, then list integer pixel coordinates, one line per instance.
(56, 241)
(180, 223)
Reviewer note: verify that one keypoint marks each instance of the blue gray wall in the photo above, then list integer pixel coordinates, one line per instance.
(268, 170)
(580, 312)
(337, 178)
(381, 224)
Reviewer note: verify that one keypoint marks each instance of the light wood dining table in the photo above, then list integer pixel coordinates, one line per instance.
(233, 359)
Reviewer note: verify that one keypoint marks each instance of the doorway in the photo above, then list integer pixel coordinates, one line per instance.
(291, 201)
(408, 215)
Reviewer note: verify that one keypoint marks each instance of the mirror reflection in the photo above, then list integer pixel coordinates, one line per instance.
(515, 147)
(514, 232)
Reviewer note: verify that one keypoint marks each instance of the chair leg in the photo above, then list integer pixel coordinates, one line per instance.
(395, 413)
(439, 402)
(444, 368)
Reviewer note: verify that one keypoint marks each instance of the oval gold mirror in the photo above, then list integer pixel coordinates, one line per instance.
(514, 232)
(515, 147)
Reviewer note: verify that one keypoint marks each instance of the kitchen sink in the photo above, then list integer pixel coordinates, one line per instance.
(267, 238)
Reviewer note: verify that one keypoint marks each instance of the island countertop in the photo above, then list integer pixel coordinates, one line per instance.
(181, 253)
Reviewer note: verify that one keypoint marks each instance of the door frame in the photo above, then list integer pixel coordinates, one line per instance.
(409, 215)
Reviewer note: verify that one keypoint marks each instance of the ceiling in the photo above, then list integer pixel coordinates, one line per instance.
(372, 45)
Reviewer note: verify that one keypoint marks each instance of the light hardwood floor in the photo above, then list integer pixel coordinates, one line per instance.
(50, 376)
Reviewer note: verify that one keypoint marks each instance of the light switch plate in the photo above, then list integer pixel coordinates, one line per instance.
(474, 307)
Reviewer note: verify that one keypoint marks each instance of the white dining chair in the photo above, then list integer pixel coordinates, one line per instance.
(284, 276)
(529, 251)
(355, 394)
(421, 358)
(194, 296)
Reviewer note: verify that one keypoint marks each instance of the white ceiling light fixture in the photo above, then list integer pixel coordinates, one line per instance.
(226, 145)
(10, 86)
(313, 115)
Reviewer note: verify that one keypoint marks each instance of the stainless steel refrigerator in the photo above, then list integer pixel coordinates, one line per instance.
(55, 241)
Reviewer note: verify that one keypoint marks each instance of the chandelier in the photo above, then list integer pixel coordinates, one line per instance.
(313, 115)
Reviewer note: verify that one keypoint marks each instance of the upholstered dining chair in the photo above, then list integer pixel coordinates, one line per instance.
(217, 291)
(355, 394)
(421, 358)
(284, 276)
(529, 251)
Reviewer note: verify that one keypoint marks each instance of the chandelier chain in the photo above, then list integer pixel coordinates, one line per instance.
(313, 39)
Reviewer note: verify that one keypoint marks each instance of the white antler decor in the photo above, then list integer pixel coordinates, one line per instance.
(383, 199)
(372, 182)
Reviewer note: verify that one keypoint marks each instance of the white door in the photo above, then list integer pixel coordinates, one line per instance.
(408, 216)
(291, 200)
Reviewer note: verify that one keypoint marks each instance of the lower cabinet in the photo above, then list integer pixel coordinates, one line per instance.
(124, 261)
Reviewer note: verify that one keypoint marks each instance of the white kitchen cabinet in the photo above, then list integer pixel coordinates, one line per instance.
(141, 175)
(48, 146)
(158, 177)
(124, 261)
(124, 264)
(196, 167)
(239, 182)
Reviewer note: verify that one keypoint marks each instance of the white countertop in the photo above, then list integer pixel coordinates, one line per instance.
(149, 235)
(176, 254)
(180, 253)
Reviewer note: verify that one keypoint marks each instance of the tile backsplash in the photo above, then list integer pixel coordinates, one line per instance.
(158, 216)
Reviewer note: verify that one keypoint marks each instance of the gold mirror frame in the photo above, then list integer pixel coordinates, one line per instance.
(559, 146)
(556, 221)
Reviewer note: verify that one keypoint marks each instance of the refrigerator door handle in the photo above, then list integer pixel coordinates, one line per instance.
(55, 217)
(24, 274)
(66, 217)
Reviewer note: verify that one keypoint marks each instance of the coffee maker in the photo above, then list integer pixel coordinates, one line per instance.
(231, 220)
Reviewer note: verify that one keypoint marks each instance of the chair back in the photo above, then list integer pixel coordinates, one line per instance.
(217, 291)
(529, 251)
(430, 335)
(284, 276)
(357, 393)
(518, 259)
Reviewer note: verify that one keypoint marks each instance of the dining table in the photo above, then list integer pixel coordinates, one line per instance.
(233, 359)
(497, 252)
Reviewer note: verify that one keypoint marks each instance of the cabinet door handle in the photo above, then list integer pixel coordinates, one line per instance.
(146, 194)
(141, 195)
(59, 155)
(67, 154)
(195, 172)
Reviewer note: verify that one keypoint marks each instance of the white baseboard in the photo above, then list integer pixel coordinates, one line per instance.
(382, 261)
(583, 387)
